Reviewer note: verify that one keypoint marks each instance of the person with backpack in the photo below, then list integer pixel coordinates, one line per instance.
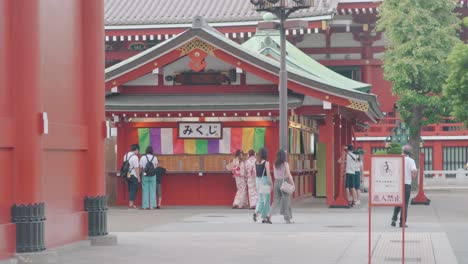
(159, 173)
(148, 165)
(131, 171)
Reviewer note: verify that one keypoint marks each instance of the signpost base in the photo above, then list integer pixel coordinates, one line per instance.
(421, 198)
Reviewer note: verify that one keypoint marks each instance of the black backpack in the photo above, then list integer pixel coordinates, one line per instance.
(149, 170)
(125, 168)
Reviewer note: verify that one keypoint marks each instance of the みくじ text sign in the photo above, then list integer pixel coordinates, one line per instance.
(200, 130)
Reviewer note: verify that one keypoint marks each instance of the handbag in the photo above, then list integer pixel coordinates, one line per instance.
(287, 187)
(264, 188)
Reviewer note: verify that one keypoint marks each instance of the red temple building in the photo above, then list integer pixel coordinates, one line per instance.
(339, 35)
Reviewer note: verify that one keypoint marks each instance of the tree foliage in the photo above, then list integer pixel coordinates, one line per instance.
(420, 35)
(456, 88)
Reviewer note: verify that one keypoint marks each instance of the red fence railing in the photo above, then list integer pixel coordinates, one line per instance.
(385, 126)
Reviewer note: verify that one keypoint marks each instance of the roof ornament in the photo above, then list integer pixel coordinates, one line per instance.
(199, 22)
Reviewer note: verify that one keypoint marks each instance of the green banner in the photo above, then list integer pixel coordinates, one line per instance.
(143, 139)
(202, 146)
(259, 138)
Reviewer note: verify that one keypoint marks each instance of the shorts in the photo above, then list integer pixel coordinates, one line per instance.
(357, 180)
(158, 190)
(350, 180)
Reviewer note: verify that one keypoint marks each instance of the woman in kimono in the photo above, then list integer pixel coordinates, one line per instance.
(238, 172)
(251, 175)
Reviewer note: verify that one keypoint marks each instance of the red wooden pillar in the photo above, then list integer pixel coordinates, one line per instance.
(25, 78)
(92, 14)
(327, 132)
(341, 137)
(7, 229)
(437, 155)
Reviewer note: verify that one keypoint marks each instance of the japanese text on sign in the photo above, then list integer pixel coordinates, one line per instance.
(200, 130)
(386, 180)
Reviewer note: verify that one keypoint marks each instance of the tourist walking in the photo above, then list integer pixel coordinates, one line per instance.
(411, 171)
(350, 175)
(262, 168)
(148, 165)
(357, 177)
(251, 175)
(238, 172)
(133, 174)
(281, 198)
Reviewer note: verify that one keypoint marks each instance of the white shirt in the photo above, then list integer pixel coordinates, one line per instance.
(351, 160)
(359, 165)
(133, 161)
(410, 166)
(147, 157)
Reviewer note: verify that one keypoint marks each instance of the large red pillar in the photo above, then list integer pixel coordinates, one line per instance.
(7, 140)
(93, 83)
(92, 19)
(25, 74)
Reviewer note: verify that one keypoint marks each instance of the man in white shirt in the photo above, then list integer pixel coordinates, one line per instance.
(411, 171)
(134, 172)
(351, 160)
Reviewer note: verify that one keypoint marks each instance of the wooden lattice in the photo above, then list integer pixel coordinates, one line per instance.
(360, 106)
(196, 43)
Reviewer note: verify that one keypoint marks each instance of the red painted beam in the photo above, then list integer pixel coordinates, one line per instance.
(184, 113)
(340, 50)
(358, 5)
(60, 134)
(374, 62)
(200, 89)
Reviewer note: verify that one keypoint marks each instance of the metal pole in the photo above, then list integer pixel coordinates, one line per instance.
(283, 89)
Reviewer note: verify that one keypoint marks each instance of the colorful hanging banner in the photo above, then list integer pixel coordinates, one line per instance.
(167, 141)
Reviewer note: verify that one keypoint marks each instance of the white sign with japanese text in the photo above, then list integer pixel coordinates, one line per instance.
(200, 130)
(387, 180)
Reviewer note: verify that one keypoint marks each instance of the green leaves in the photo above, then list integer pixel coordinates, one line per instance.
(456, 88)
(421, 34)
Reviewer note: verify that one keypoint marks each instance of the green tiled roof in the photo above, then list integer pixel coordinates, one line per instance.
(267, 42)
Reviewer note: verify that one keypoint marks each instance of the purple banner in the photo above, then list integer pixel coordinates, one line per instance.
(155, 139)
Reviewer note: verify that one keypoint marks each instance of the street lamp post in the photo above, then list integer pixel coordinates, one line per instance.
(282, 9)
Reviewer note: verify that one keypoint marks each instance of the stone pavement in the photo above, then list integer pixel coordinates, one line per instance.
(437, 234)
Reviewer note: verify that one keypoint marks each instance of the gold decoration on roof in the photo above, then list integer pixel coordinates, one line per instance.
(360, 106)
(196, 43)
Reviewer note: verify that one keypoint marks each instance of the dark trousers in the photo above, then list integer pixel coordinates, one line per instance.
(397, 209)
(132, 188)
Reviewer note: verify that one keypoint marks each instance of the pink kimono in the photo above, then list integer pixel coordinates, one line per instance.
(251, 175)
(238, 171)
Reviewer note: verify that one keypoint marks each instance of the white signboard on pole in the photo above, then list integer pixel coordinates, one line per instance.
(387, 180)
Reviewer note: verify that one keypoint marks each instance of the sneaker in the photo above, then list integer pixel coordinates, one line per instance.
(255, 217)
(393, 223)
(358, 202)
(290, 221)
